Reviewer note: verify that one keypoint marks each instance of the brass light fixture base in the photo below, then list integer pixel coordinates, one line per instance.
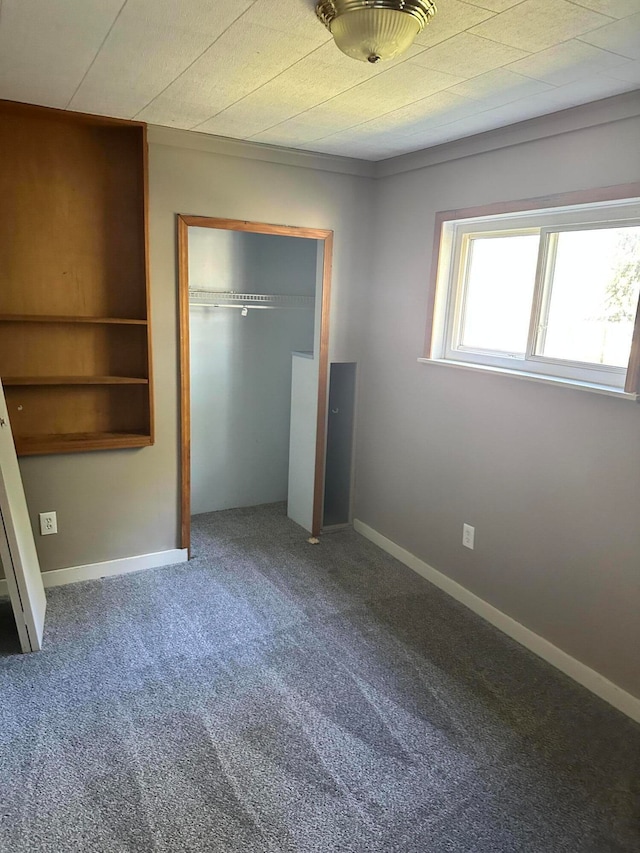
(422, 10)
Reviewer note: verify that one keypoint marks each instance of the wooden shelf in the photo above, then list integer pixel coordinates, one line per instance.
(77, 442)
(75, 344)
(74, 380)
(53, 318)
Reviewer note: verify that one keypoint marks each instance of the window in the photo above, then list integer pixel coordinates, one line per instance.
(549, 293)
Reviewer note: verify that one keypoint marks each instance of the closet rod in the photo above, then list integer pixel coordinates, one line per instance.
(242, 307)
(231, 299)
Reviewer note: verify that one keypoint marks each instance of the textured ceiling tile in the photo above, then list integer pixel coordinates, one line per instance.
(297, 89)
(452, 17)
(494, 5)
(292, 133)
(289, 16)
(566, 63)
(349, 141)
(629, 72)
(621, 37)
(331, 117)
(563, 97)
(46, 46)
(538, 24)
(287, 139)
(276, 76)
(245, 57)
(441, 108)
(184, 112)
(398, 87)
(314, 80)
(368, 135)
(240, 124)
(583, 91)
(359, 150)
(615, 8)
(468, 55)
(384, 145)
(499, 87)
(250, 117)
(436, 136)
(355, 112)
(454, 130)
(257, 112)
(486, 120)
(364, 148)
(154, 41)
(313, 124)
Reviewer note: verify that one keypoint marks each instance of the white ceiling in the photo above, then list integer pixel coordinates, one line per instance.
(268, 71)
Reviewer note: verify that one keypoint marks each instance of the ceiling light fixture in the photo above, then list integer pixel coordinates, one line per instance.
(375, 30)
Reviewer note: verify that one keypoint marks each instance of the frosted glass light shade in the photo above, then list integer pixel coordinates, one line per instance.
(374, 30)
(372, 35)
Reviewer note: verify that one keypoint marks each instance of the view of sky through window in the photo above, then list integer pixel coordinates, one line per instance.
(499, 293)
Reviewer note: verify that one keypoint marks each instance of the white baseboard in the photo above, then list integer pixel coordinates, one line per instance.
(92, 571)
(584, 675)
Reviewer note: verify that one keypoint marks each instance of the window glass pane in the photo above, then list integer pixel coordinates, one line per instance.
(594, 296)
(498, 294)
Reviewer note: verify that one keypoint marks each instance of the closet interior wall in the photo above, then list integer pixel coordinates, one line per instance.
(241, 365)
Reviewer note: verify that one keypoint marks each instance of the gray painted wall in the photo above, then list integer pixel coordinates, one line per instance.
(241, 366)
(121, 503)
(549, 477)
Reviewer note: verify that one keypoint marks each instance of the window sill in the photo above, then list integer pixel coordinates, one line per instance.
(557, 382)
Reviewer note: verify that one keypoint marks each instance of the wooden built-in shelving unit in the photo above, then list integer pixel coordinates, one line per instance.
(75, 356)
(74, 380)
(69, 442)
(37, 318)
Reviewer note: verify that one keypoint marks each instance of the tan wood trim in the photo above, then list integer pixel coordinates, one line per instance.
(323, 379)
(147, 280)
(68, 115)
(433, 283)
(324, 235)
(185, 384)
(256, 227)
(632, 380)
(591, 196)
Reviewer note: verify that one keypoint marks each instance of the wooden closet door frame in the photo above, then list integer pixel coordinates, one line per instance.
(320, 234)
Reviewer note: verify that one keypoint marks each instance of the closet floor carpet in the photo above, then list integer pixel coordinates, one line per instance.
(276, 696)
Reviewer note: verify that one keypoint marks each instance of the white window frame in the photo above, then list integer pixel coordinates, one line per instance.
(453, 239)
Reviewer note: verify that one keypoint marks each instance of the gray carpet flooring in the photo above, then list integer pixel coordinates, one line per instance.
(277, 696)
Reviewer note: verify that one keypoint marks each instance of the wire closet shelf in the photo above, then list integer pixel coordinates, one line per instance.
(245, 301)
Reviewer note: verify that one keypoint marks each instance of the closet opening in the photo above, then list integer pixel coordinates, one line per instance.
(254, 323)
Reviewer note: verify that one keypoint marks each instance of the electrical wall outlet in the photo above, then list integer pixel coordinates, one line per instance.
(48, 523)
(468, 535)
